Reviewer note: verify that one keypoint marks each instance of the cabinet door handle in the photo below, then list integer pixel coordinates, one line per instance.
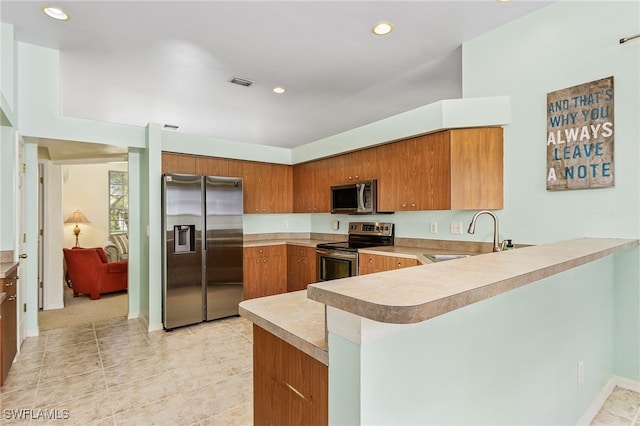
(24, 256)
(370, 260)
(9, 284)
(399, 264)
(12, 298)
(257, 260)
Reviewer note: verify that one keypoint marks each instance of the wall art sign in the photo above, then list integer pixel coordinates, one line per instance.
(580, 136)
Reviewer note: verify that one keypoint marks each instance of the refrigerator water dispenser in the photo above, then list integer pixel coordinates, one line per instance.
(184, 238)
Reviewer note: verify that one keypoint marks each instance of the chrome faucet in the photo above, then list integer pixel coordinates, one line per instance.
(496, 240)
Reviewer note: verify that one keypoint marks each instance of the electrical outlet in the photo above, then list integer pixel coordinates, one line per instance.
(456, 228)
(285, 224)
(580, 372)
(433, 227)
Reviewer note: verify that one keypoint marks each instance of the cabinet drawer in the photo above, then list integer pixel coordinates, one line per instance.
(300, 251)
(9, 285)
(264, 251)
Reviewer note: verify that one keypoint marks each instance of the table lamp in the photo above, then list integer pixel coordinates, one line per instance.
(77, 217)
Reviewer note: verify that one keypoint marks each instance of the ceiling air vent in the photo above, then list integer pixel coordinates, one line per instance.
(241, 81)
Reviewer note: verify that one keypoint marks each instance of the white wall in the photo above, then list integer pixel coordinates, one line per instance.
(86, 187)
(52, 239)
(7, 187)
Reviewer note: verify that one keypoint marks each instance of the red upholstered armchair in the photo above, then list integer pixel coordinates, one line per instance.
(91, 273)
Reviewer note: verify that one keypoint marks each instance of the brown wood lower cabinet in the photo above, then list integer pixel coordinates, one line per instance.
(265, 270)
(372, 263)
(301, 267)
(289, 386)
(8, 325)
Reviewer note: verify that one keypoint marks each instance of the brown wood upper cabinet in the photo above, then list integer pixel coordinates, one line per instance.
(178, 163)
(355, 166)
(268, 188)
(311, 183)
(458, 169)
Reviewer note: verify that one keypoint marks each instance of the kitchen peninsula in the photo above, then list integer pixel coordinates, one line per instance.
(370, 317)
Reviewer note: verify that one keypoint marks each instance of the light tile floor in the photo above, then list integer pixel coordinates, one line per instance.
(621, 409)
(115, 373)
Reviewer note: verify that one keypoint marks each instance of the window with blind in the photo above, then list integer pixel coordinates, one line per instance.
(118, 202)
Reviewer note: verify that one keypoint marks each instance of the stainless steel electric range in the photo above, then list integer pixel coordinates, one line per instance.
(340, 259)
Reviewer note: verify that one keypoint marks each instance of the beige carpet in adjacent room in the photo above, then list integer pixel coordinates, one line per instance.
(81, 310)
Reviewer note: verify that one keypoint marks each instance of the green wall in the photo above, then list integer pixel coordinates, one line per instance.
(511, 359)
(562, 45)
(627, 315)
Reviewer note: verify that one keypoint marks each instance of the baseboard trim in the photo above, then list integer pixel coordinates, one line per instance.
(32, 332)
(150, 327)
(155, 327)
(53, 307)
(623, 382)
(601, 398)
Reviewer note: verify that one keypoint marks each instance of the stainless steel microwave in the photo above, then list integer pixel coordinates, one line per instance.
(354, 197)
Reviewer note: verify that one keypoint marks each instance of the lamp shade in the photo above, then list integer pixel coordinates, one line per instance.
(77, 217)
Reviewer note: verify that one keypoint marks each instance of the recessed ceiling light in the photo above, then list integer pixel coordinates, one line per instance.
(382, 28)
(56, 13)
(279, 90)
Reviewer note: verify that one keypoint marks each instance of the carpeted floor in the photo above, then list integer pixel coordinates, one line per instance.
(81, 310)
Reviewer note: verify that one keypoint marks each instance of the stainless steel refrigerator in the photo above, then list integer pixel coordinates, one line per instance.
(202, 248)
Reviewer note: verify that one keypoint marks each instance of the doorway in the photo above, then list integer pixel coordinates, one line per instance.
(70, 185)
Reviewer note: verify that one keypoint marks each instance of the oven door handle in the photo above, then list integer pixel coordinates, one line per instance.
(336, 255)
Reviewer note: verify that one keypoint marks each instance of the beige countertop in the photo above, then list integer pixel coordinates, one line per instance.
(413, 295)
(7, 268)
(419, 293)
(279, 241)
(293, 318)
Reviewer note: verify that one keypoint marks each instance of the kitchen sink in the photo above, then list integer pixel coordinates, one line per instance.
(443, 257)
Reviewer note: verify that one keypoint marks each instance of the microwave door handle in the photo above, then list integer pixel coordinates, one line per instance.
(361, 188)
